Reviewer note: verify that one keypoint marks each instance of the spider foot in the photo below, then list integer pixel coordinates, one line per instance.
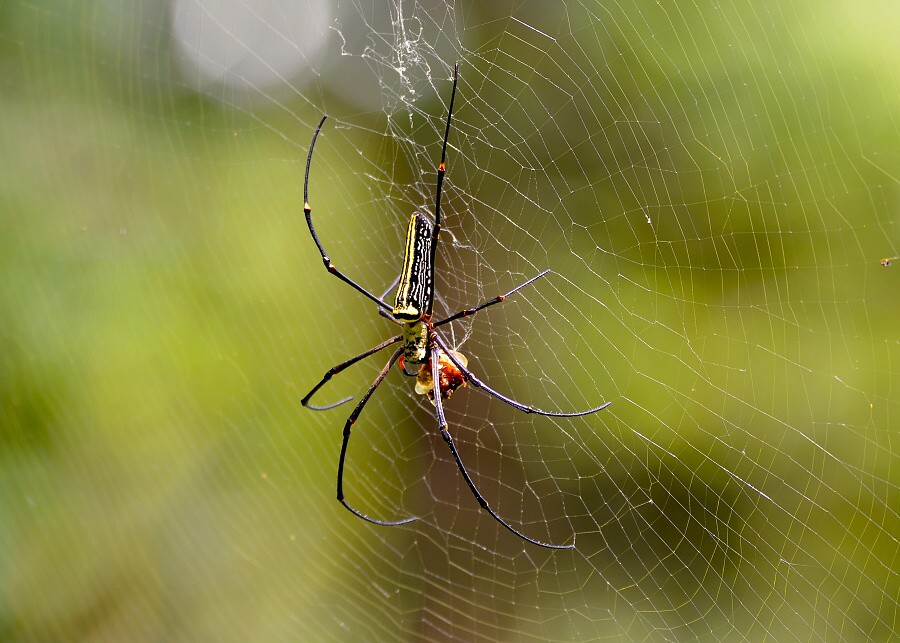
(383, 523)
(326, 407)
(518, 533)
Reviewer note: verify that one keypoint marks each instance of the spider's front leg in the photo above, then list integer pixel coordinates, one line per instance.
(348, 426)
(525, 408)
(445, 434)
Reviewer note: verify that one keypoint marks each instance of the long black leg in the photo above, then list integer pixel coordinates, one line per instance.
(442, 168)
(334, 370)
(330, 267)
(445, 434)
(477, 383)
(349, 425)
(496, 300)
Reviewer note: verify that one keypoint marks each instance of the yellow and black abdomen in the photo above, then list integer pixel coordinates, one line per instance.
(415, 291)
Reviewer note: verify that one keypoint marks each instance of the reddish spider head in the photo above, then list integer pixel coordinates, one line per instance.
(451, 378)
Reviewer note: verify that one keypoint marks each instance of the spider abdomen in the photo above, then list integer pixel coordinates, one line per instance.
(415, 290)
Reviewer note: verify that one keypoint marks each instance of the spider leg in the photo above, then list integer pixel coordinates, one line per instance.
(307, 210)
(445, 434)
(349, 425)
(496, 300)
(442, 169)
(477, 383)
(382, 311)
(334, 370)
(443, 166)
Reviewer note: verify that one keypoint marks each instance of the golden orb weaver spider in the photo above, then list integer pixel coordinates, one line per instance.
(420, 343)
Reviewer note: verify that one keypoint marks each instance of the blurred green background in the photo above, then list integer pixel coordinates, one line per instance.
(714, 185)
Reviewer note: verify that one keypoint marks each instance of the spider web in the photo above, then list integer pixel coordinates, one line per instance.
(714, 187)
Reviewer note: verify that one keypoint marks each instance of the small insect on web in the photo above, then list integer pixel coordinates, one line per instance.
(441, 370)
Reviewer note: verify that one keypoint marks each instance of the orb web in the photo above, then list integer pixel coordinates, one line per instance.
(714, 188)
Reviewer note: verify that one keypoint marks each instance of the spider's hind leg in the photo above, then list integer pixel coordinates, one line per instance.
(307, 211)
(382, 311)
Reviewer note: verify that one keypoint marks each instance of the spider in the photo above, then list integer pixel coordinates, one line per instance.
(420, 343)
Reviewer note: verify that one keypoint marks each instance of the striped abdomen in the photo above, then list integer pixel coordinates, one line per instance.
(415, 291)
